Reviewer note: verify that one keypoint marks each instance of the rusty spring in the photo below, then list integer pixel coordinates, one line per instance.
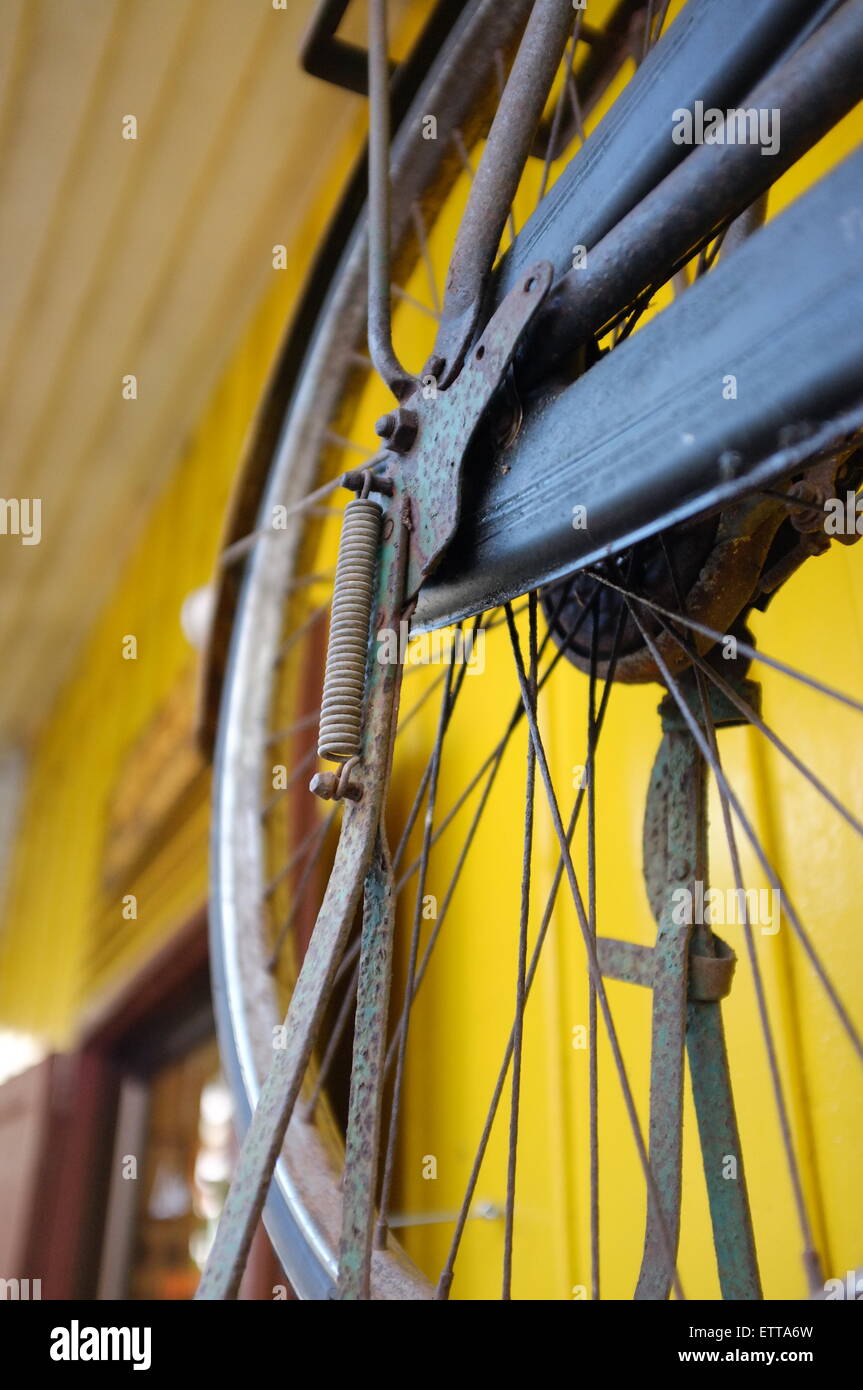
(340, 730)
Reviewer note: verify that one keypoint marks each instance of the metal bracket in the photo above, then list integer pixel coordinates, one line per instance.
(360, 836)
(431, 472)
(689, 971)
(324, 55)
(710, 977)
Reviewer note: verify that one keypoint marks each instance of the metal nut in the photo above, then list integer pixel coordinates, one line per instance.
(434, 367)
(385, 425)
(399, 428)
(326, 786)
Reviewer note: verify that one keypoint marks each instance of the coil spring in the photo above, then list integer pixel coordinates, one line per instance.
(344, 679)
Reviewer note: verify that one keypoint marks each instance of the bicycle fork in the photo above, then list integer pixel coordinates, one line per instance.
(690, 970)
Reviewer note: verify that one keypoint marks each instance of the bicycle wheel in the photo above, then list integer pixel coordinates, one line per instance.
(695, 548)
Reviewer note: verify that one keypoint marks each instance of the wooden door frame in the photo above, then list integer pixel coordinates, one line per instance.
(160, 1012)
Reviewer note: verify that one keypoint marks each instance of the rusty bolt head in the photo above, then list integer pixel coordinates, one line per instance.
(385, 425)
(405, 431)
(399, 428)
(324, 784)
(363, 478)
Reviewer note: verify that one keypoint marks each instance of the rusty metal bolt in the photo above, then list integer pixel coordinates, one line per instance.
(399, 428)
(326, 786)
(385, 425)
(360, 479)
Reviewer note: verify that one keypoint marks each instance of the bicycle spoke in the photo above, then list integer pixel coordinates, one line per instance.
(240, 548)
(520, 987)
(464, 157)
(810, 1259)
(653, 26)
(415, 303)
(811, 1262)
(318, 834)
(405, 719)
(305, 627)
(341, 441)
(491, 765)
(443, 723)
(554, 133)
(575, 103)
(710, 752)
(302, 766)
(350, 956)
(307, 840)
(498, 750)
(660, 23)
(752, 652)
(446, 1275)
(306, 721)
(753, 718)
(422, 238)
(593, 1060)
(346, 1009)
(774, 879)
(500, 75)
(300, 890)
(648, 21)
(593, 963)
(452, 694)
(493, 758)
(626, 325)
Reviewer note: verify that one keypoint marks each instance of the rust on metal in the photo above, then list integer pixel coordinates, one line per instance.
(494, 186)
(362, 1148)
(294, 1045)
(692, 971)
(675, 857)
(814, 88)
(432, 471)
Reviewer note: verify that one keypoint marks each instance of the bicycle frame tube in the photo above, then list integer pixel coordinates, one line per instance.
(812, 90)
(665, 454)
(715, 51)
(291, 1053)
(640, 442)
(379, 328)
(497, 178)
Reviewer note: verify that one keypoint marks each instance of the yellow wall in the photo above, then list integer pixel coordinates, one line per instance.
(66, 941)
(464, 1012)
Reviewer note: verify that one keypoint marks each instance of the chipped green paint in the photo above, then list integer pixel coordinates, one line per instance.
(675, 856)
(281, 1088)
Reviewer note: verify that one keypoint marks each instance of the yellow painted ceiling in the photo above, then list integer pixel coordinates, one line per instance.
(122, 257)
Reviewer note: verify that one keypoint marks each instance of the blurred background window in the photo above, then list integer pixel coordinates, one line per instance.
(187, 1161)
